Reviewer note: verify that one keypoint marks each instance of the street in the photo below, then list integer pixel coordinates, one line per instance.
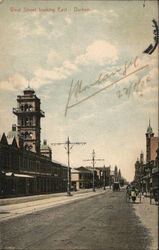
(101, 221)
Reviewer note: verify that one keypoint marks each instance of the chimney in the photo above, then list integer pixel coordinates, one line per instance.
(13, 127)
(45, 142)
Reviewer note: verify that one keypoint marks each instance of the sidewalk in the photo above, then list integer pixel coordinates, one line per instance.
(17, 200)
(9, 211)
(148, 215)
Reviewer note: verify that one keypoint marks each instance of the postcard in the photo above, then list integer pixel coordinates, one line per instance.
(78, 111)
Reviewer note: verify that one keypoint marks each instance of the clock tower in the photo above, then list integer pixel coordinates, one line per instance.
(28, 114)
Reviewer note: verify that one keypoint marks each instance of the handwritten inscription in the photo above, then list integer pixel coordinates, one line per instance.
(136, 87)
(77, 88)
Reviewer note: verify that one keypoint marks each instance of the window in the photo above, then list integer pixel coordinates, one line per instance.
(30, 135)
(26, 108)
(28, 147)
(21, 107)
(31, 121)
(30, 108)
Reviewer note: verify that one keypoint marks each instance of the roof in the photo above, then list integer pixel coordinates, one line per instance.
(155, 170)
(19, 175)
(149, 129)
(12, 134)
(44, 147)
(29, 90)
(59, 163)
(75, 171)
(83, 169)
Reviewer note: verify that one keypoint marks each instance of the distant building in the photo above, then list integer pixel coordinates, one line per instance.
(81, 178)
(151, 144)
(103, 176)
(139, 170)
(144, 171)
(45, 150)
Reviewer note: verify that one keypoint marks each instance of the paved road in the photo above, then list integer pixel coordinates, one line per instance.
(104, 221)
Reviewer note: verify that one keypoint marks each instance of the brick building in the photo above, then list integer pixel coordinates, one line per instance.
(26, 166)
(151, 144)
(144, 170)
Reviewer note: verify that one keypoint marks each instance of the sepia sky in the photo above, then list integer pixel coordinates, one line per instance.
(91, 44)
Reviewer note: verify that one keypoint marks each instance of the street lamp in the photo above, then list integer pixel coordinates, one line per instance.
(93, 160)
(104, 176)
(110, 176)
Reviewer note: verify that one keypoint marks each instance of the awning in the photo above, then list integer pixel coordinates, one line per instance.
(23, 175)
(155, 170)
(146, 177)
(19, 175)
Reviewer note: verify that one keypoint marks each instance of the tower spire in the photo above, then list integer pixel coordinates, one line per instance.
(149, 129)
(28, 84)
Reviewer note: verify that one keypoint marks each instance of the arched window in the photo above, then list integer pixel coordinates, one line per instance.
(30, 107)
(26, 121)
(30, 134)
(21, 107)
(31, 121)
(30, 147)
(26, 107)
(22, 122)
(22, 134)
(26, 135)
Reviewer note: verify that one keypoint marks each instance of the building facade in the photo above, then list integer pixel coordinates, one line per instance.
(23, 172)
(145, 171)
(45, 150)
(81, 178)
(151, 144)
(26, 166)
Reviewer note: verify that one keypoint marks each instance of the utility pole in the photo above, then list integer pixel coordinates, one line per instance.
(68, 146)
(110, 176)
(93, 160)
(104, 170)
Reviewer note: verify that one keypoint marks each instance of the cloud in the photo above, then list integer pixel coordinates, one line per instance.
(67, 64)
(99, 52)
(113, 13)
(43, 76)
(36, 28)
(14, 82)
(39, 30)
(24, 29)
(153, 74)
(21, 29)
(56, 74)
(92, 12)
(54, 58)
(68, 20)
